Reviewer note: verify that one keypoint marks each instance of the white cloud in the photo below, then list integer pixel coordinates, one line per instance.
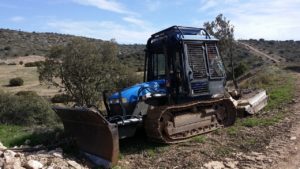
(109, 5)
(267, 19)
(138, 22)
(207, 4)
(17, 19)
(274, 19)
(105, 30)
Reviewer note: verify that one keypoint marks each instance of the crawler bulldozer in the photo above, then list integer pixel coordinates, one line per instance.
(183, 95)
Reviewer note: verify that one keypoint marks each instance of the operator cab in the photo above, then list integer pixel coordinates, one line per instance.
(188, 60)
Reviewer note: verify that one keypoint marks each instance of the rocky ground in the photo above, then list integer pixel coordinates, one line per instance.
(54, 159)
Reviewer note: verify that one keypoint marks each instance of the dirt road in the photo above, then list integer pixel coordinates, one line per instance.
(291, 152)
(275, 59)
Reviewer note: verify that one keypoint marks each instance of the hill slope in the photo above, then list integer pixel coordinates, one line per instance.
(18, 43)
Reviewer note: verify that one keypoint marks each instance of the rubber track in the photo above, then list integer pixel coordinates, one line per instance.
(152, 123)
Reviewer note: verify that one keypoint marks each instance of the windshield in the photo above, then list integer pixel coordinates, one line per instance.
(156, 66)
(215, 65)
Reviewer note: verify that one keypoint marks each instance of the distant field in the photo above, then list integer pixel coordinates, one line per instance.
(30, 77)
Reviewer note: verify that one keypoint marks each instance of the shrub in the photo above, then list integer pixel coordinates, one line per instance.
(61, 98)
(26, 93)
(240, 69)
(7, 48)
(21, 62)
(87, 69)
(25, 110)
(34, 64)
(16, 81)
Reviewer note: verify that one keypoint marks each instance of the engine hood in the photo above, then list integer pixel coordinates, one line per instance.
(131, 94)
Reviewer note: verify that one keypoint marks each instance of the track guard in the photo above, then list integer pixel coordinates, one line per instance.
(93, 133)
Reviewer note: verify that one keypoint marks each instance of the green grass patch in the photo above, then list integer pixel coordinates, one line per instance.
(280, 86)
(281, 93)
(13, 135)
(199, 139)
(223, 151)
(248, 143)
(262, 121)
(233, 130)
(10, 135)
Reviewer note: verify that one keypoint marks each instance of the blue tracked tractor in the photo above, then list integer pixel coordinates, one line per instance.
(183, 95)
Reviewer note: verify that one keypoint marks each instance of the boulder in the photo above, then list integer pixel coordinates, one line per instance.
(9, 156)
(74, 164)
(33, 164)
(2, 146)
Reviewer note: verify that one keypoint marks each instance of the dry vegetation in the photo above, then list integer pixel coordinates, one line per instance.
(30, 77)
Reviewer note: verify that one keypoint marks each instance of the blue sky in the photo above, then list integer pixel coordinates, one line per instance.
(133, 21)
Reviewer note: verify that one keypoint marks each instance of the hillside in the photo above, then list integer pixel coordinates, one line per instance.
(18, 43)
(289, 49)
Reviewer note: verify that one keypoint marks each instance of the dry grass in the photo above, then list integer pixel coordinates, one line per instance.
(24, 59)
(30, 77)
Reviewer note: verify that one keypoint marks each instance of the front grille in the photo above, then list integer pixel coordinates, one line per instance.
(200, 87)
(196, 60)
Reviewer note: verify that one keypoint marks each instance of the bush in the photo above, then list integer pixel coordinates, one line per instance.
(21, 62)
(7, 48)
(26, 93)
(87, 69)
(34, 64)
(240, 69)
(61, 98)
(25, 110)
(16, 81)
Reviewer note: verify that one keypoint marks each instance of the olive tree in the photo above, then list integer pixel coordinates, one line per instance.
(222, 29)
(84, 70)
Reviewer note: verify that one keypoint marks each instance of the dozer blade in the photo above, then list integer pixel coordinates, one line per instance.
(253, 102)
(92, 132)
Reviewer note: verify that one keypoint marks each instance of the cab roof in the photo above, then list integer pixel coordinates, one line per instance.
(184, 33)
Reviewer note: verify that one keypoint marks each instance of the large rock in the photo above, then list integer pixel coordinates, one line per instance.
(2, 146)
(15, 165)
(74, 164)
(58, 152)
(33, 164)
(1, 162)
(9, 156)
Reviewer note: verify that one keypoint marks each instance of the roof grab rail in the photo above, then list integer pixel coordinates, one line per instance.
(206, 33)
(180, 31)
